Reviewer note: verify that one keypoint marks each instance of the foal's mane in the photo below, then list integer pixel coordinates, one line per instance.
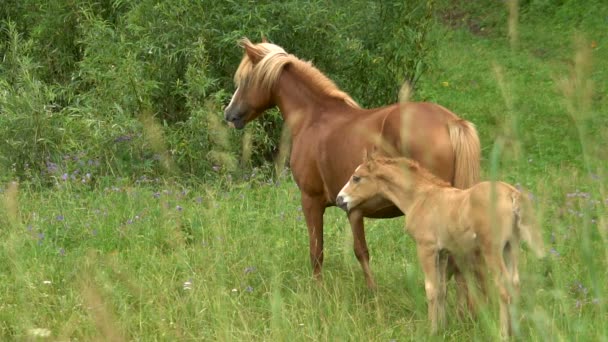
(414, 167)
(273, 59)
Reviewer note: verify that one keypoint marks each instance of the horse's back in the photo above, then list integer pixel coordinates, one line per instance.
(419, 130)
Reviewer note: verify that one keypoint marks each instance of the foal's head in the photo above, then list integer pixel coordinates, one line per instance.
(259, 69)
(375, 177)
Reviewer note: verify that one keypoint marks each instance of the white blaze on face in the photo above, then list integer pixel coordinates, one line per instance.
(233, 97)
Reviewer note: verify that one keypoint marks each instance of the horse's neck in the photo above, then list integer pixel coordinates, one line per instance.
(300, 102)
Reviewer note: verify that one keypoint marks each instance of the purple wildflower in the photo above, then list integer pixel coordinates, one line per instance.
(554, 252)
(199, 200)
(249, 269)
(123, 138)
(64, 177)
(51, 167)
(179, 208)
(249, 289)
(156, 195)
(61, 251)
(60, 218)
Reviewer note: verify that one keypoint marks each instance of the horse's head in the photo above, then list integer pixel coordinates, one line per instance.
(254, 79)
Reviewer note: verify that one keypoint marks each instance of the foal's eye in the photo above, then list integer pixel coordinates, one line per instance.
(356, 179)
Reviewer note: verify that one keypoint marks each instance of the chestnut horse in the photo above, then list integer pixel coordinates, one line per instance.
(329, 133)
(479, 226)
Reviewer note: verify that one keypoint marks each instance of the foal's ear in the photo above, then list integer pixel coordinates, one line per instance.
(367, 155)
(264, 40)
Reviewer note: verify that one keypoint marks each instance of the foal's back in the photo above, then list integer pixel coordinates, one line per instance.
(460, 220)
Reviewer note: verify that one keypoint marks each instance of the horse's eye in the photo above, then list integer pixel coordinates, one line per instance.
(356, 179)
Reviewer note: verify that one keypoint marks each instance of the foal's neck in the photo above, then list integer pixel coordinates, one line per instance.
(404, 192)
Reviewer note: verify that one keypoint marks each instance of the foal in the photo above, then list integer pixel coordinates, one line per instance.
(487, 220)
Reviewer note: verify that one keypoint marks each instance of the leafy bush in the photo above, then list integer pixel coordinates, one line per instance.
(76, 77)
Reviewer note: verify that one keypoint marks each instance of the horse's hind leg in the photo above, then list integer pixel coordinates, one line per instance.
(360, 246)
(313, 209)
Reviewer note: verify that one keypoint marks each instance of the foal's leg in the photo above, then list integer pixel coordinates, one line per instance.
(314, 208)
(429, 258)
(511, 256)
(442, 263)
(501, 277)
(360, 246)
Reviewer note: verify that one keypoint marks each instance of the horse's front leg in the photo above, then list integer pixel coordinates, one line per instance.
(355, 218)
(314, 208)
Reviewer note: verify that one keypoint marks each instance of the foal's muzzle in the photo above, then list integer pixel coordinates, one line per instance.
(341, 203)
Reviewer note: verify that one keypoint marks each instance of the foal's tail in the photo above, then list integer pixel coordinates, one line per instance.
(526, 223)
(467, 152)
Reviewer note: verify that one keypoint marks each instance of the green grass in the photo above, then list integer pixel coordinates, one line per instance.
(163, 261)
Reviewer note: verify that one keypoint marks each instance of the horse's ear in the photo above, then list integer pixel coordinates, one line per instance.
(252, 52)
(264, 40)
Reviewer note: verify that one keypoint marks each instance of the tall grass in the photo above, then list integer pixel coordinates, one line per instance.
(152, 259)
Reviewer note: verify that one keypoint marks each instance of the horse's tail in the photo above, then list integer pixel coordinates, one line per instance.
(526, 224)
(467, 150)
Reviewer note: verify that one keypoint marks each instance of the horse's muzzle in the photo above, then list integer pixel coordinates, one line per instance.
(236, 120)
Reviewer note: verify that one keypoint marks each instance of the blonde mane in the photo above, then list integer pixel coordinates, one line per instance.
(413, 166)
(273, 59)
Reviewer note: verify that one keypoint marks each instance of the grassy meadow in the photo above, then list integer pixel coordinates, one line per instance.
(169, 259)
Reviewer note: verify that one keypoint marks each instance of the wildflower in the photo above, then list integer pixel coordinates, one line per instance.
(249, 269)
(51, 167)
(579, 304)
(199, 200)
(234, 291)
(46, 282)
(554, 252)
(215, 168)
(249, 289)
(64, 177)
(156, 195)
(188, 285)
(179, 207)
(61, 251)
(445, 84)
(123, 138)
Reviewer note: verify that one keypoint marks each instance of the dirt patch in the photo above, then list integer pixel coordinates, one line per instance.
(456, 16)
